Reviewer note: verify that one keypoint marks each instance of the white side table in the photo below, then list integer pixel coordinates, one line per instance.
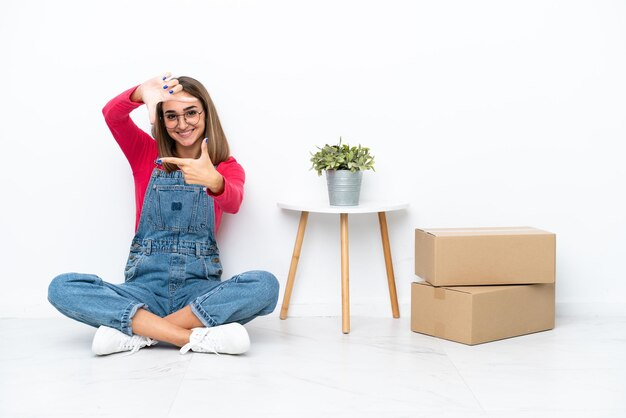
(364, 207)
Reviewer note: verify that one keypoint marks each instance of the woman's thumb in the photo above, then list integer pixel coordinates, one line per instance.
(204, 148)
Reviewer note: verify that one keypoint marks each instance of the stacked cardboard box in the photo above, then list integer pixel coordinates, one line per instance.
(483, 284)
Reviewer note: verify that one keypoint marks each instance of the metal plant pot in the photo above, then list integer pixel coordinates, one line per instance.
(344, 187)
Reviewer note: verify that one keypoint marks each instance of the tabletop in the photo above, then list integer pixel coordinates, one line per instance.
(362, 207)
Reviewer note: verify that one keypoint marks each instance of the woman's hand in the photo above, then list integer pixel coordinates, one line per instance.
(199, 171)
(159, 89)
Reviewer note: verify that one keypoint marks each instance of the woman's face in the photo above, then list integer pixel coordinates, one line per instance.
(184, 121)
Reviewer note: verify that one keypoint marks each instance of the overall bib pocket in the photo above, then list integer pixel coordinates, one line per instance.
(179, 208)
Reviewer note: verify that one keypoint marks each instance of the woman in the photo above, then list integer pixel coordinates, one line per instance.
(183, 182)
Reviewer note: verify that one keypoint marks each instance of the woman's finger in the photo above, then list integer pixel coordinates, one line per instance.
(177, 88)
(170, 83)
(181, 162)
(174, 94)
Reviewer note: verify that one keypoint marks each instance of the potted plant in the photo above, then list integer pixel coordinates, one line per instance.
(344, 166)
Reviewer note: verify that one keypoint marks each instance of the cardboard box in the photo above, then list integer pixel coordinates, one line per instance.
(478, 314)
(482, 256)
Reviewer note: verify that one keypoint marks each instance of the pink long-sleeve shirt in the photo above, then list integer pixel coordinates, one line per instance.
(141, 152)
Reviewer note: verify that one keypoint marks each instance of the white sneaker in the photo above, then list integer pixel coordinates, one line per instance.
(109, 340)
(227, 339)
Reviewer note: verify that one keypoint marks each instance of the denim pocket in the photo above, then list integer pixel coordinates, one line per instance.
(212, 267)
(132, 264)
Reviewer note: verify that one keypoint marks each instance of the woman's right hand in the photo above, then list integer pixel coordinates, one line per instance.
(159, 89)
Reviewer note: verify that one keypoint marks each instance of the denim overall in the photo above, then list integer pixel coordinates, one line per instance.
(174, 261)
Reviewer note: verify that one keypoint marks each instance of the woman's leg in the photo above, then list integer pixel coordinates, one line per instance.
(92, 301)
(152, 326)
(240, 299)
(184, 318)
(174, 328)
(220, 310)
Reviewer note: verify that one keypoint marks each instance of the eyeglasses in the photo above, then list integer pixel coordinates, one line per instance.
(171, 120)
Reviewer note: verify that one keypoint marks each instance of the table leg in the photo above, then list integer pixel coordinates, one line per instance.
(384, 234)
(345, 267)
(294, 264)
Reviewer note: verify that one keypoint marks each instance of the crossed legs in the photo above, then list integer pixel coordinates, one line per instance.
(174, 328)
(88, 299)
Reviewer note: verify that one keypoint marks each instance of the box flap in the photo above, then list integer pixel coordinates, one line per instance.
(470, 290)
(465, 232)
(476, 290)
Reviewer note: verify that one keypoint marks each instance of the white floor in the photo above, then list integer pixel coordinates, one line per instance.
(305, 367)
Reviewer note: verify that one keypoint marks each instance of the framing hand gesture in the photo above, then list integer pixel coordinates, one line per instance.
(159, 89)
(199, 170)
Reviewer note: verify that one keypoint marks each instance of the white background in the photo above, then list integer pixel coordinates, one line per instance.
(479, 113)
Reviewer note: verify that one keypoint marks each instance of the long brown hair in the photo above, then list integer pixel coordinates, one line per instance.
(217, 145)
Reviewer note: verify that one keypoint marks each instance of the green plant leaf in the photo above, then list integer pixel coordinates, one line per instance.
(341, 157)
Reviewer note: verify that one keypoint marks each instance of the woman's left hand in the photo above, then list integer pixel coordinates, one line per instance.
(200, 170)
